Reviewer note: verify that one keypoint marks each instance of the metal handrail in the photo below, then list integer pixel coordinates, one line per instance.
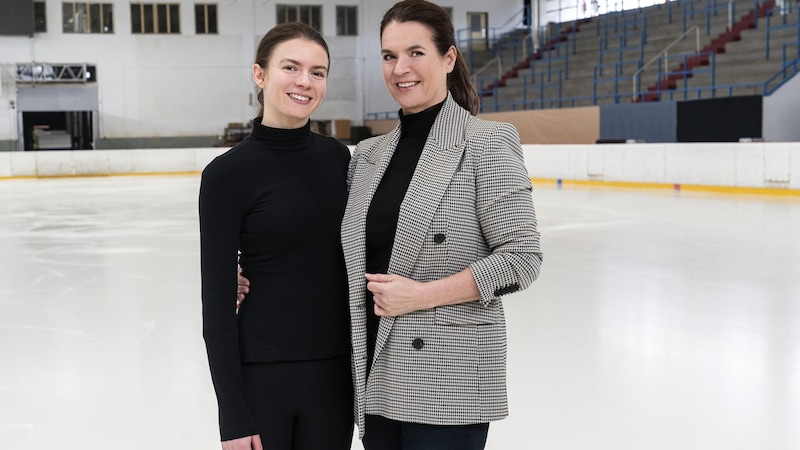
(665, 54)
(486, 66)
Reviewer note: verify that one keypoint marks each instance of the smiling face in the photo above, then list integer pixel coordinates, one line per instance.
(414, 71)
(294, 83)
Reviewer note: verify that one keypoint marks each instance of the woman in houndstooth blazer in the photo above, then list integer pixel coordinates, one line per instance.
(439, 225)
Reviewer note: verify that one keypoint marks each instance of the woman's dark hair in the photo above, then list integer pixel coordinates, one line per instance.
(438, 21)
(279, 34)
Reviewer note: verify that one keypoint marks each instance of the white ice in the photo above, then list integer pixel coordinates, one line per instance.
(660, 321)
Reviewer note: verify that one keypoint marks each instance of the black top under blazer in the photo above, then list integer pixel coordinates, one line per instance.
(469, 204)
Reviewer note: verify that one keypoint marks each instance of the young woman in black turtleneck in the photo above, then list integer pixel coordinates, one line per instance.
(281, 364)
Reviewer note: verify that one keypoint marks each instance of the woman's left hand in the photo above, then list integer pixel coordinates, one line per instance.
(395, 295)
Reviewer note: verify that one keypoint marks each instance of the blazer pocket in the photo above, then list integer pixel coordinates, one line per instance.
(472, 313)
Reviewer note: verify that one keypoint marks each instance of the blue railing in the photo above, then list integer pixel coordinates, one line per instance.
(561, 54)
(785, 52)
(783, 26)
(541, 85)
(620, 21)
(617, 68)
(623, 49)
(789, 69)
(685, 73)
(519, 50)
(487, 85)
(711, 9)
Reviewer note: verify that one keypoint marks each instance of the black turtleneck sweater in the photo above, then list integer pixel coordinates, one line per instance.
(385, 207)
(278, 198)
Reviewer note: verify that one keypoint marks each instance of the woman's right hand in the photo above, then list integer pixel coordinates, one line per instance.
(242, 288)
(245, 443)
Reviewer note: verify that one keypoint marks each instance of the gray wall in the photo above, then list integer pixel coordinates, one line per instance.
(782, 113)
(57, 98)
(648, 122)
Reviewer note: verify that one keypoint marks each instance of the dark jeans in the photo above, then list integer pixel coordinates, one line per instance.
(386, 434)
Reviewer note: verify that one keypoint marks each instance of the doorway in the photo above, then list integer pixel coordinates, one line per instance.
(57, 130)
(57, 117)
(478, 23)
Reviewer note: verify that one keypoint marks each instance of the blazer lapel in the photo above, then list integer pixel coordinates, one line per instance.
(440, 159)
(438, 163)
(372, 167)
(367, 174)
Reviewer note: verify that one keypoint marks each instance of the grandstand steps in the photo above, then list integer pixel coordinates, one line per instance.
(734, 72)
(734, 49)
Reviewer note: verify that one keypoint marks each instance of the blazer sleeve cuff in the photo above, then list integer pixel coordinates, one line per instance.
(492, 283)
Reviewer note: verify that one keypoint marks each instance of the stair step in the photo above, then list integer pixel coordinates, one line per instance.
(731, 45)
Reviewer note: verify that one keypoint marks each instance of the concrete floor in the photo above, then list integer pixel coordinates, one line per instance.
(661, 320)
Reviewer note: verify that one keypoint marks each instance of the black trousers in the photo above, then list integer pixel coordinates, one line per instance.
(381, 433)
(302, 405)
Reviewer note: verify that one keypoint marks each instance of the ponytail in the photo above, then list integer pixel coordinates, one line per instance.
(461, 87)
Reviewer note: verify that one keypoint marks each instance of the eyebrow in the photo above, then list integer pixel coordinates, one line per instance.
(298, 63)
(413, 47)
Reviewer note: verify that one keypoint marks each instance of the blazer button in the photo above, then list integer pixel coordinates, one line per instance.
(418, 343)
(439, 238)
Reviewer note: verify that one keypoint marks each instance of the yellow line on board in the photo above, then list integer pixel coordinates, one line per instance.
(543, 181)
(99, 175)
(155, 174)
(678, 187)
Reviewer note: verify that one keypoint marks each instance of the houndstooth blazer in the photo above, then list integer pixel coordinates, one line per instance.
(468, 205)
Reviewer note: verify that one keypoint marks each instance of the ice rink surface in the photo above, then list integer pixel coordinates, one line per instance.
(661, 321)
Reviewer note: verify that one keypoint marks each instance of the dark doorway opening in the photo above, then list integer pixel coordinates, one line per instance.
(58, 130)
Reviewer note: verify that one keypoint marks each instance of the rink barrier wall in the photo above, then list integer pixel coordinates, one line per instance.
(61, 163)
(754, 167)
(757, 167)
